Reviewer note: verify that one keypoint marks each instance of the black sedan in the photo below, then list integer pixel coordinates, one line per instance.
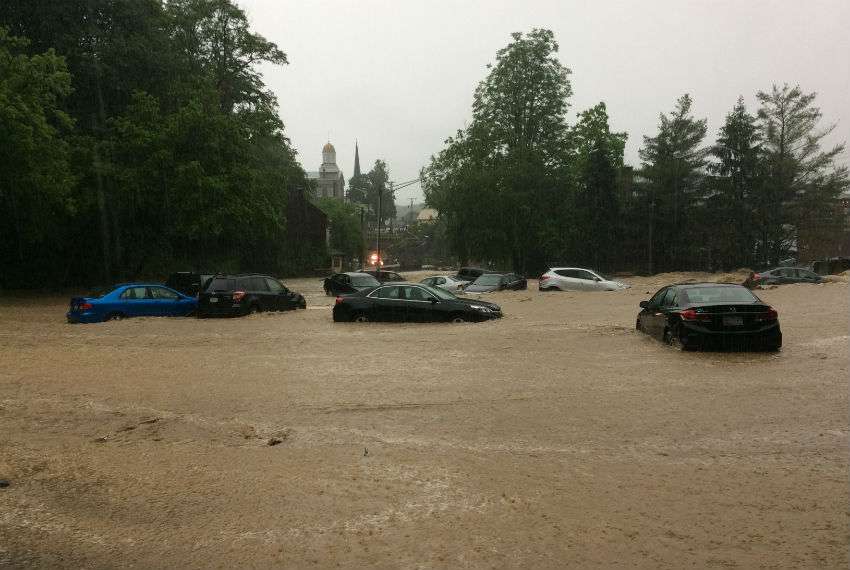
(710, 315)
(411, 302)
(496, 282)
(351, 282)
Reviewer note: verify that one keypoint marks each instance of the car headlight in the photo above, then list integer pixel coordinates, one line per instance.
(480, 308)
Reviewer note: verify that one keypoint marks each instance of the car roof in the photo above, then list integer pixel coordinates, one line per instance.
(704, 284)
(581, 268)
(352, 273)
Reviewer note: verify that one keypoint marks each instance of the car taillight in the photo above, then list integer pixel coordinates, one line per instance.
(238, 295)
(338, 300)
(85, 306)
(756, 277)
(692, 315)
(544, 277)
(770, 315)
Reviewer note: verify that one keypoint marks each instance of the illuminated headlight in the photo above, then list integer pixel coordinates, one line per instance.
(481, 308)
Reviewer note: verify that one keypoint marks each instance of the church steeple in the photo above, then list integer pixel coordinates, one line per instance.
(356, 160)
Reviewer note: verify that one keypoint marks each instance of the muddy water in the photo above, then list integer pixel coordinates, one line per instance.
(555, 437)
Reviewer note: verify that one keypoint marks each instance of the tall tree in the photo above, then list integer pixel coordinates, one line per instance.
(597, 160)
(380, 191)
(803, 182)
(35, 179)
(503, 173)
(738, 176)
(673, 163)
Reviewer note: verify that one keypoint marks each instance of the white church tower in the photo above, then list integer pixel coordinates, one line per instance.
(330, 183)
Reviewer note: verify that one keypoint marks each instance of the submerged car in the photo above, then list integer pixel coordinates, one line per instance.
(470, 274)
(710, 316)
(238, 295)
(782, 275)
(131, 300)
(496, 282)
(576, 279)
(447, 282)
(411, 302)
(350, 282)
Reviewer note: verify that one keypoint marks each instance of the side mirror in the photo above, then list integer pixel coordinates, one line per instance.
(597, 279)
(644, 304)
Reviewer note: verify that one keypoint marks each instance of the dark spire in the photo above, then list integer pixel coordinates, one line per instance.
(356, 160)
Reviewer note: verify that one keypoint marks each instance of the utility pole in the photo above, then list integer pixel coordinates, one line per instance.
(651, 225)
(380, 219)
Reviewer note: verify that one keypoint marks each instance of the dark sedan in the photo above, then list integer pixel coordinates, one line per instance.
(496, 282)
(710, 315)
(411, 302)
(351, 282)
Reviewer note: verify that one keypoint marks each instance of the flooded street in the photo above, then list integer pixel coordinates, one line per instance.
(556, 436)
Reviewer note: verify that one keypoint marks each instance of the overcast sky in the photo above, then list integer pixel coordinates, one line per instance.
(399, 75)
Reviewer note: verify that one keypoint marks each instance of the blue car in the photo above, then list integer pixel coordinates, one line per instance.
(131, 300)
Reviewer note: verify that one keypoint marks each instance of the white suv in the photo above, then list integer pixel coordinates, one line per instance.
(576, 279)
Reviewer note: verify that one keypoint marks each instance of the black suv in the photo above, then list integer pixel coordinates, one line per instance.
(188, 282)
(237, 295)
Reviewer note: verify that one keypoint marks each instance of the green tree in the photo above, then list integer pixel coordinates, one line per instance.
(597, 161)
(344, 223)
(497, 181)
(380, 190)
(737, 170)
(803, 182)
(35, 180)
(673, 164)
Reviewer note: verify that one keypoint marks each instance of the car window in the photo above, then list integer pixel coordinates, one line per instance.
(656, 299)
(221, 284)
(135, 293)
(728, 294)
(563, 272)
(364, 281)
(163, 293)
(274, 286)
(489, 279)
(392, 292)
(586, 275)
(428, 281)
(669, 299)
(396, 277)
(416, 294)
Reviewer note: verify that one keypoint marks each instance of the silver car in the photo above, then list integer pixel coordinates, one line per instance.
(576, 279)
(446, 282)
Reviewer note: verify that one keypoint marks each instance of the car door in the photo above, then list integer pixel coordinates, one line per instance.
(136, 302)
(388, 304)
(807, 276)
(285, 299)
(652, 317)
(567, 279)
(166, 302)
(420, 305)
(587, 280)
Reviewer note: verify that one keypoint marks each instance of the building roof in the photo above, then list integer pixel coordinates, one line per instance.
(328, 147)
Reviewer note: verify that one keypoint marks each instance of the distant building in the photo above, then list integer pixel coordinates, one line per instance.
(330, 183)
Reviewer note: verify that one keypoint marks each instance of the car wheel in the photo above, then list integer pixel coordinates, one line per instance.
(458, 318)
(359, 318)
(114, 317)
(637, 325)
(302, 303)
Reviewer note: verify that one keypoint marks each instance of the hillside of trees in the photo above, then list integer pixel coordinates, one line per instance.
(521, 187)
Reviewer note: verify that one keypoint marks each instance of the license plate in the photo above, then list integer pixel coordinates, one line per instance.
(733, 321)
(213, 299)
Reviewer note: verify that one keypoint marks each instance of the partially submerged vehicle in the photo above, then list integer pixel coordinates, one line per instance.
(577, 279)
(131, 300)
(411, 302)
(695, 316)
